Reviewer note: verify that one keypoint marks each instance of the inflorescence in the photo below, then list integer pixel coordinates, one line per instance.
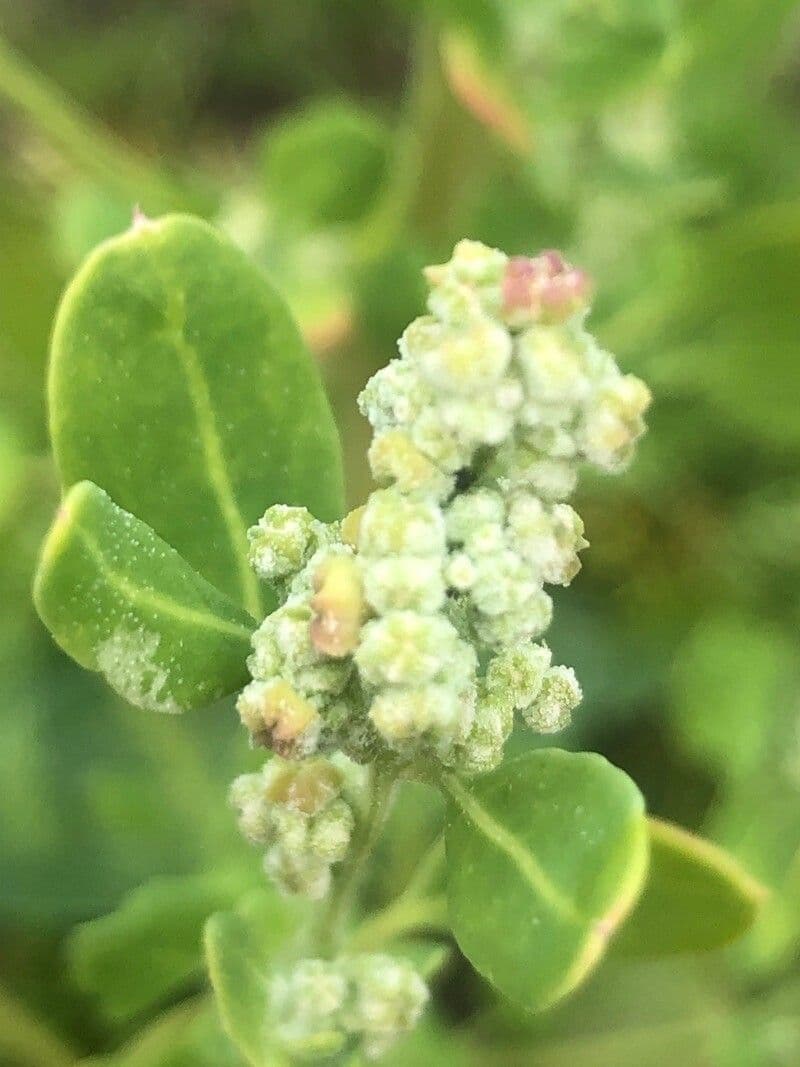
(410, 630)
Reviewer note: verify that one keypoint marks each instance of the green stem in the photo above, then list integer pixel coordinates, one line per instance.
(90, 147)
(402, 917)
(334, 919)
(427, 869)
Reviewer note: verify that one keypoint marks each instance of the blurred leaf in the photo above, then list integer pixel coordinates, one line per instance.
(180, 385)
(121, 601)
(151, 946)
(85, 215)
(482, 92)
(531, 914)
(427, 956)
(731, 681)
(187, 1036)
(696, 897)
(243, 948)
(325, 164)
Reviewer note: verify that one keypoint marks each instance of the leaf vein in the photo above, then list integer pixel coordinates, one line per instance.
(513, 849)
(200, 397)
(151, 599)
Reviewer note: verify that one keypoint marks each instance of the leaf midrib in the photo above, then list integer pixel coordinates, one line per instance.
(518, 854)
(200, 398)
(156, 602)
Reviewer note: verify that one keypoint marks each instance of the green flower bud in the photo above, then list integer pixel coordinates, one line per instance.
(461, 359)
(559, 696)
(554, 364)
(548, 538)
(471, 510)
(393, 524)
(403, 714)
(483, 749)
(614, 422)
(513, 627)
(516, 674)
(403, 583)
(388, 998)
(405, 648)
(283, 540)
(395, 396)
(393, 457)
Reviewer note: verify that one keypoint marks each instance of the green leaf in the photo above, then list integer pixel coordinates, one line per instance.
(179, 383)
(697, 897)
(733, 678)
(188, 1035)
(151, 946)
(545, 857)
(325, 164)
(121, 601)
(242, 950)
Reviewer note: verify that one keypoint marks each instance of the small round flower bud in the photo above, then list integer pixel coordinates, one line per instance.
(248, 797)
(531, 621)
(516, 674)
(278, 718)
(306, 1005)
(504, 583)
(364, 1002)
(614, 422)
(393, 457)
(483, 749)
(395, 396)
(476, 421)
(329, 837)
(470, 282)
(519, 467)
(471, 510)
(405, 648)
(544, 288)
(460, 572)
(459, 359)
(548, 538)
(404, 583)
(438, 442)
(404, 714)
(388, 1000)
(559, 696)
(338, 606)
(393, 524)
(283, 539)
(554, 364)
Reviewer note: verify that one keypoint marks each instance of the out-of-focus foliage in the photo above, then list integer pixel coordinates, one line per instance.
(343, 146)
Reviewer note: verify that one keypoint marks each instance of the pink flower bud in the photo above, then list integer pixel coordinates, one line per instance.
(544, 288)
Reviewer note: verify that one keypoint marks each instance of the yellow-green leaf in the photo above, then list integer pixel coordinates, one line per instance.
(545, 857)
(121, 601)
(697, 897)
(180, 384)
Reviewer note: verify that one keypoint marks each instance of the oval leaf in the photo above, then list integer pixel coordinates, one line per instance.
(697, 897)
(133, 958)
(121, 601)
(545, 857)
(179, 383)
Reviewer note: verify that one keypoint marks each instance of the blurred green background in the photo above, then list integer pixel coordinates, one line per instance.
(344, 145)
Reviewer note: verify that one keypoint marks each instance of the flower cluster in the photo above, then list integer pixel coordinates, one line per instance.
(411, 627)
(302, 814)
(362, 1003)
